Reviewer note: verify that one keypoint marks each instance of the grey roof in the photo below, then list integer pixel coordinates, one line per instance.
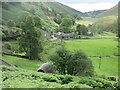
(66, 35)
(44, 66)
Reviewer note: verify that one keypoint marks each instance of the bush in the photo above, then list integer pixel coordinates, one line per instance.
(50, 78)
(8, 46)
(73, 63)
(59, 59)
(66, 79)
(8, 68)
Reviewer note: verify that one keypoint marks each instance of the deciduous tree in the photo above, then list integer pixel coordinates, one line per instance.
(30, 41)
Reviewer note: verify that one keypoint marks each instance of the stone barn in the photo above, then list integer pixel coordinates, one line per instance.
(89, 34)
(66, 35)
(47, 67)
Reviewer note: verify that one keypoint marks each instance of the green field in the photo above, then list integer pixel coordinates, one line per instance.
(98, 47)
(94, 47)
(83, 22)
(91, 47)
(101, 49)
(109, 66)
(23, 63)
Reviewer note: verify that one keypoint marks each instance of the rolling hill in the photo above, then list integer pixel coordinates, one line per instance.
(47, 11)
(95, 13)
(107, 20)
(111, 12)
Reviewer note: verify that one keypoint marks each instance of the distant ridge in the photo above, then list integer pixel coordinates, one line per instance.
(111, 12)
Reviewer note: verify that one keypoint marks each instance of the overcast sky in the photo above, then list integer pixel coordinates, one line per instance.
(89, 5)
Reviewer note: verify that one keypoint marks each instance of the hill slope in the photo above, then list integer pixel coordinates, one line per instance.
(47, 11)
(107, 21)
(95, 13)
(111, 12)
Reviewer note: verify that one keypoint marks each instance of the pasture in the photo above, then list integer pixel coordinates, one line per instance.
(93, 47)
(83, 22)
(106, 48)
(23, 63)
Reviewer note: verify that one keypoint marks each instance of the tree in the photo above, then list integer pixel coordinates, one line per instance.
(10, 23)
(32, 11)
(73, 63)
(68, 22)
(65, 29)
(81, 29)
(30, 41)
(66, 25)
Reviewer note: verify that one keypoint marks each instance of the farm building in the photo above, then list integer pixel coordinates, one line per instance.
(46, 67)
(89, 34)
(66, 35)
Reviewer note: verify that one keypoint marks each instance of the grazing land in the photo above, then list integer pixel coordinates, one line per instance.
(94, 48)
(80, 48)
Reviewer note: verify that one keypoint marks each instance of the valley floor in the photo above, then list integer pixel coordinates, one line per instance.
(27, 69)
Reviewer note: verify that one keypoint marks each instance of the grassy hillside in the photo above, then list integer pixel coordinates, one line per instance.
(111, 12)
(47, 11)
(108, 23)
(58, 7)
(105, 21)
(101, 49)
(95, 13)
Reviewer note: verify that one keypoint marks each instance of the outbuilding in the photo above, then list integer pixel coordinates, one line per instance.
(89, 34)
(46, 67)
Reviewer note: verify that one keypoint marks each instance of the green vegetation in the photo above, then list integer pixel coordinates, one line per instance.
(30, 40)
(73, 63)
(81, 29)
(23, 63)
(108, 24)
(94, 47)
(19, 78)
(109, 66)
(66, 25)
(111, 12)
(27, 31)
(84, 22)
(102, 47)
(95, 13)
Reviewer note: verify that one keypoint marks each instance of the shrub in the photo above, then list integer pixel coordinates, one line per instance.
(8, 46)
(50, 78)
(7, 68)
(73, 63)
(59, 59)
(79, 64)
(66, 79)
